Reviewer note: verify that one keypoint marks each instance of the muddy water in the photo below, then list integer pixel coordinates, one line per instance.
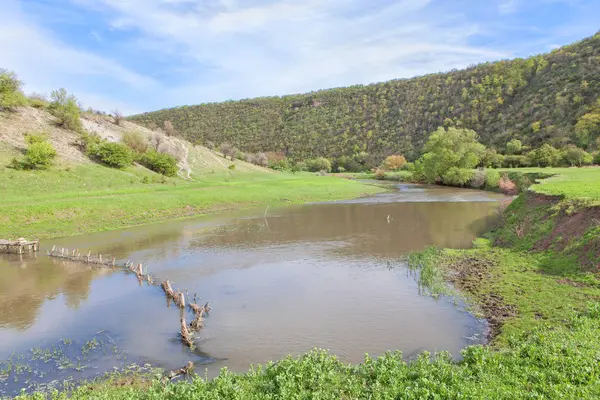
(282, 282)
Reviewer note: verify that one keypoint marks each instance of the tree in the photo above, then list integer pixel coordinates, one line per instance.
(11, 95)
(228, 150)
(587, 129)
(394, 162)
(545, 156)
(514, 147)
(576, 157)
(169, 129)
(450, 148)
(65, 108)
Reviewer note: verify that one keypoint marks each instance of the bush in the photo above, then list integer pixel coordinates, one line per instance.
(597, 158)
(280, 165)
(492, 178)
(410, 167)
(349, 164)
(301, 166)
(117, 117)
(545, 156)
(38, 101)
(478, 179)
(319, 164)
(491, 159)
(457, 176)
(64, 107)
(394, 162)
(116, 155)
(228, 150)
(136, 141)
(11, 95)
(515, 162)
(209, 145)
(576, 157)
(258, 159)
(379, 174)
(514, 147)
(87, 141)
(169, 128)
(39, 155)
(162, 163)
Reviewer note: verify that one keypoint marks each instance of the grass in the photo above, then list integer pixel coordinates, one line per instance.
(89, 197)
(570, 183)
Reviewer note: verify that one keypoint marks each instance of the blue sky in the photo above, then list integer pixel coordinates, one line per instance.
(142, 55)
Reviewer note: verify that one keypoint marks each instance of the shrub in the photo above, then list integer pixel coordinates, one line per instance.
(379, 174)
(258, 159)
(37, 100)
(156, 139)
(136, 141)
(597, 158)
(545, 156)
(410, 167)
(209, 145)
(64, 107)
(350, 164)
(492, 178)
(301, 166)
(162, 163)
(11, 95)
(39, 155)
(341, 170)
(319, 164)
(515, 162)
(228, 150)
(280, 165)
(491, 159)
(576, 157)
(507, 186)
(478, 179)
(231, 167)
(116, 155)
(169, 128)
(87, 141)
(394, 162)
(457, 176)
(117, 117)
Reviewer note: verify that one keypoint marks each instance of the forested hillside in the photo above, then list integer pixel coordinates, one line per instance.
(537, 100)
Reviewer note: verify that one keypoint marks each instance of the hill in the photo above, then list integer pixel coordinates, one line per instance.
(537, 100)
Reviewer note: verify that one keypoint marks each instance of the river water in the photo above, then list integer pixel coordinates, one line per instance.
(280, 281)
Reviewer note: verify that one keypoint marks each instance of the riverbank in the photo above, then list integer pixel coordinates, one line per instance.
(535, 277)
(91, 198)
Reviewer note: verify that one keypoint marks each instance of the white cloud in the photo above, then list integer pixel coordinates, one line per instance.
(508, 7)
(211, 50)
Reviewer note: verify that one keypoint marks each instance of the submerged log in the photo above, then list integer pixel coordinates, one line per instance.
(186, 336)
(166, 285)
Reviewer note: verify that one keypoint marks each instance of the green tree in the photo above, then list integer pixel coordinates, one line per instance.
(11, 95)
(514, 147)
(545, 156)
(587, 129)
(65, 108)
(576, 157)
(450, 148)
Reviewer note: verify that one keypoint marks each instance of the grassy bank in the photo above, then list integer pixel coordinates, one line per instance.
(88, 197)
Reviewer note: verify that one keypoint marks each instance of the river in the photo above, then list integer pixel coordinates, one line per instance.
(280, 281)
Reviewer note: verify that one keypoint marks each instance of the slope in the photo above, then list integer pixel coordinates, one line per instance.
(537, 100)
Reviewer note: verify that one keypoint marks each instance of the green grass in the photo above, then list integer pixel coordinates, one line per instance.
(571, 183)
(88, 198)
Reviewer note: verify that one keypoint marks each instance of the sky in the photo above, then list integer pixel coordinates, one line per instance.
(144, 55)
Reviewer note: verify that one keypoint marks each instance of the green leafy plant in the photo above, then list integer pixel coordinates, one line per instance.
(11, 95)
(115, 155)
(162, 163)
(66, 110)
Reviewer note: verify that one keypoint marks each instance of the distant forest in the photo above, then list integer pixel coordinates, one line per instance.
(536, 100)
